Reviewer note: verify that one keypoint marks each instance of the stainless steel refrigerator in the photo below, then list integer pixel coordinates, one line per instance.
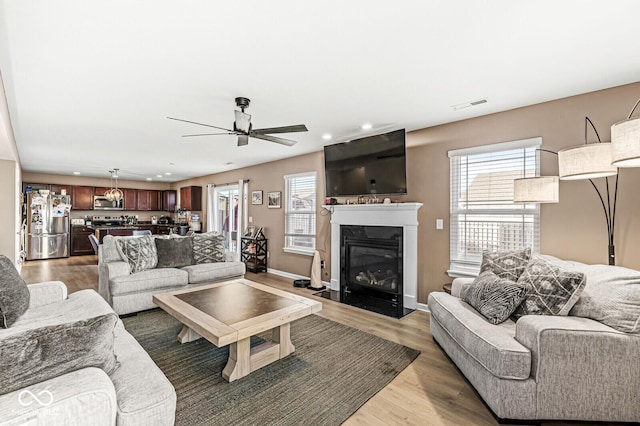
(48, 226)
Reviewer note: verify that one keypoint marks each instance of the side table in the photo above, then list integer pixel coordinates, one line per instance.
(447, 288)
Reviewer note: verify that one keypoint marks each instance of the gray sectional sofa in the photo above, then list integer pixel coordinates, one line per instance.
(129, 292)
(135, 392)
(582, 366)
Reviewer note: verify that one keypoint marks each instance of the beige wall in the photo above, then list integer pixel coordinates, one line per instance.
(573, 229)
(268, 177)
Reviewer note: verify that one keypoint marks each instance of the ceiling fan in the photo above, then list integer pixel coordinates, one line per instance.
(243, 129)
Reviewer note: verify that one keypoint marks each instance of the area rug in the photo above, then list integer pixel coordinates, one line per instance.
(334, 370)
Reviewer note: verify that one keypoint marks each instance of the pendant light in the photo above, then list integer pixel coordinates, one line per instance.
(114, 194)
(625, 141)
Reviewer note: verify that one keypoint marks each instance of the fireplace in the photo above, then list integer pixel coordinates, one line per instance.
(373, 217)
(371, 268)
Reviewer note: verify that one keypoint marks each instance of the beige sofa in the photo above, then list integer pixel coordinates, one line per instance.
(135, 393)
(130, 292)
(584, 366)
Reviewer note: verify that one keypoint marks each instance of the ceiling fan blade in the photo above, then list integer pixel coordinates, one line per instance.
(208, 134)
(199, 124)
(243, 121)
(243, 140)
(283, 129)
(275, 139)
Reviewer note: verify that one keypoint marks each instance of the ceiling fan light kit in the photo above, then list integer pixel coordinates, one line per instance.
(243, 128)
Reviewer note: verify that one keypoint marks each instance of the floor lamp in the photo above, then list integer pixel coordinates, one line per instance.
(583, 162)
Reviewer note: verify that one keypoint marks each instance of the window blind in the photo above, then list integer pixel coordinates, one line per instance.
(300, 213)
(483, 214)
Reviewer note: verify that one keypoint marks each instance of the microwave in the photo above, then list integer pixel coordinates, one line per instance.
(100, 202)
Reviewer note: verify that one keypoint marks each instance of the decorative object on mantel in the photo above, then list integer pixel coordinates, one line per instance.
(588, 161)
(274, 200)
(114, 194)
(625, 141)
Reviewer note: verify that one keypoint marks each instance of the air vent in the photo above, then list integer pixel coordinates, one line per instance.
(469, 104)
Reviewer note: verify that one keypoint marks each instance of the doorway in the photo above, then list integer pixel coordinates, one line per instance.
(226, 206)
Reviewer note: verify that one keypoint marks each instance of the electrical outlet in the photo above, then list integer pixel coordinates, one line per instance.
(250, 219)
(439, 224)
(322, 264)
(267, 255)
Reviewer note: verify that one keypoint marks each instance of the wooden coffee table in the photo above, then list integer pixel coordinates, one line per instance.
(229, 313)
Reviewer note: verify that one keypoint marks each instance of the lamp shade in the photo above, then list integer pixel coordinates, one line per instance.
(540, 189)
(588, 161)
(625, 143)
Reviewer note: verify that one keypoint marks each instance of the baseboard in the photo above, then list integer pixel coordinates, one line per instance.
(293, 276)
(422, 307)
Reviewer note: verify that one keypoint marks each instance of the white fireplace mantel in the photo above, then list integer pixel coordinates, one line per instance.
(395, 214)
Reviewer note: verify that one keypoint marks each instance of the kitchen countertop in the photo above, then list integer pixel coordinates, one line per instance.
(136, 226)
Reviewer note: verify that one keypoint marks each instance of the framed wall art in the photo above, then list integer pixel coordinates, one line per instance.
(274, 200)
(256, 197)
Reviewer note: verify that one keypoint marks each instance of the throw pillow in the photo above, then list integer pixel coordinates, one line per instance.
(611, 296)
(208, 248)
(174, 252)
(494, 297)
(506, 264)
(139, 252)
(14, 293)
(43, 353)
(552, 290)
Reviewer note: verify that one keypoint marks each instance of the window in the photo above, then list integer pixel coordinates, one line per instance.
(483, 215)
(300, 213)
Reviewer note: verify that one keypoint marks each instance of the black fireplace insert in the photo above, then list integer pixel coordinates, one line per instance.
(371, 268)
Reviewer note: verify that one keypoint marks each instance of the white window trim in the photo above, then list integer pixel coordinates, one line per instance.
(469, 268)
(300, 250)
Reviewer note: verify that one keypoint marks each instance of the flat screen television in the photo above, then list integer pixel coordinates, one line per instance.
(371, 165)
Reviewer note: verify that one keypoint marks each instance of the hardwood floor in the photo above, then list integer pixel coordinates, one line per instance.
(431, 391)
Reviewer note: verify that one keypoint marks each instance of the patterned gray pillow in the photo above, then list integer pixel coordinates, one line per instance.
(14, 293)
(506, 264)
(36, 355)
(139, 252)
(494, 297)
(552, 290)
(208, 248)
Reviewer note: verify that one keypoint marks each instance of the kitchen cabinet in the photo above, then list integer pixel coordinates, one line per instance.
(169, 200)
(100, 191)
(57, 189)
(82, 198)
(130, 199)
(148, 199)
(191, 198)
(80, 244)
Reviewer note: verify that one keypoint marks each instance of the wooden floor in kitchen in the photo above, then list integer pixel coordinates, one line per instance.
(431, 391)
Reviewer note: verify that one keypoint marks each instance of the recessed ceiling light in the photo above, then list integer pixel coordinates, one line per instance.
(76, 173)
(167, 173)
(326, 137)
(366, 126)
(149, 179)
(172, 164)
(159, 176)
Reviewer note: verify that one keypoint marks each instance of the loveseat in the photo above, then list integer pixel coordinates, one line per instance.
(81, 366)
(129, 280)
(581, 366)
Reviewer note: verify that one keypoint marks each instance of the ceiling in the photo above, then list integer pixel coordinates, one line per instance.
(89, 84)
